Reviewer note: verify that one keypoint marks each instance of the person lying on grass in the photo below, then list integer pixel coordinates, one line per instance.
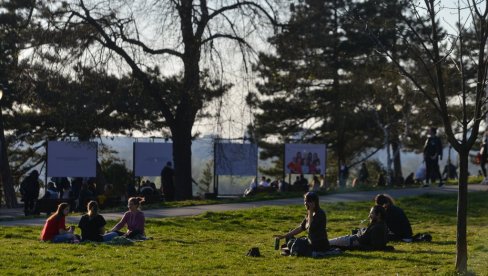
(314, 223)
(55, 227)
(397, 222)
(374, 237)
(134, 219)
(92, 225)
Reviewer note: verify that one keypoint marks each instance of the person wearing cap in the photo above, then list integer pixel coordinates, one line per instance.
(432, 154)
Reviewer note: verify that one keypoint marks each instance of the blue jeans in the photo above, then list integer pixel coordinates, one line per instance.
(66, 237)
(109, 236)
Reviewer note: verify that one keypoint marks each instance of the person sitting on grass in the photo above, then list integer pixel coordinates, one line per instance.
(374, 237)
(314, 223)
(134, 219)
(396, 220)
(92, 225)
(252, 188)
(55, 227)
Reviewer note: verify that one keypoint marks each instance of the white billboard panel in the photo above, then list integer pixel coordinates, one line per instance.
(236, 159)
(305, 158)
(150, 158)
(71, 159)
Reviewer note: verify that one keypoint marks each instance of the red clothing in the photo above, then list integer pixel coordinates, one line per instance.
(51, 228)
(295, 167)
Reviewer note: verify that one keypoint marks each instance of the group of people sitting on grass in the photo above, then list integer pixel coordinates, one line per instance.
(92, 224)
(387, 222)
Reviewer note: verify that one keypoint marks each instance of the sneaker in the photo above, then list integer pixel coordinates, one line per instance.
(441, 184)
(407, 240)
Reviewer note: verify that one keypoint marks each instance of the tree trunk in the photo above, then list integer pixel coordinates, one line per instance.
(462, 206)
(7, 181)
(397, 162)
(100, 180)
(182, 158)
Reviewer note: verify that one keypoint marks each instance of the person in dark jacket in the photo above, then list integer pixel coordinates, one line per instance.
(374, 237)
(29, 189)
(167, 182)
(432, 154)
(314, 223)
(396, 220)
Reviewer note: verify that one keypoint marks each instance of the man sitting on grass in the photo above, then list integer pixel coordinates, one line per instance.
(374, 237)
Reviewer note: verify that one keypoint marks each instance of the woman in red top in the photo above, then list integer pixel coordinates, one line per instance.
(55, 228)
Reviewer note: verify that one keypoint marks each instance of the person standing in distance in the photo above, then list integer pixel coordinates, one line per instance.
(29, 189)
(432, 154)
(167, 182)
(484, 156)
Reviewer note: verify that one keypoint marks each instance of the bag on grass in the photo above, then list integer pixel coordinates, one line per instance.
(300, 247)
(253, 252)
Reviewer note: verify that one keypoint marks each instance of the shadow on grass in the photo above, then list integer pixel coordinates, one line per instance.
(391, 256)
(443, 242)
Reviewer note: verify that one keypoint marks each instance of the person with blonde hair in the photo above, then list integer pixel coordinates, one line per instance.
(92, 225)
(55, 229)
(134, 220)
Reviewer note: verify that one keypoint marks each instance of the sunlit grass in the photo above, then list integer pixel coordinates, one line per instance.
(216, 244)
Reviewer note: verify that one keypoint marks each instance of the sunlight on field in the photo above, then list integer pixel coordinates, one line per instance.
(216, 244)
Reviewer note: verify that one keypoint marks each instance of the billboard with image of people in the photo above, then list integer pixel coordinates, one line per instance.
(305, 158)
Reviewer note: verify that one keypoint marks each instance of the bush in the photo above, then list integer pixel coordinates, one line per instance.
(117, 174)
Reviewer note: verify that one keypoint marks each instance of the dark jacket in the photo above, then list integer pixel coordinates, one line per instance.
(90, 227)
(398, 223)
(29, 188)
(375, 237)
(317, 234)
(433, 146)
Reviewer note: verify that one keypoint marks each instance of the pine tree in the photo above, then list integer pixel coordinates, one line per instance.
(314, 84)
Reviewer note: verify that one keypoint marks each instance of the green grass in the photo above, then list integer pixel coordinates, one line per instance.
(216, 244)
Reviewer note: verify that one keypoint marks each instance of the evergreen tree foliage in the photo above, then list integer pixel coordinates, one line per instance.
(315, 85)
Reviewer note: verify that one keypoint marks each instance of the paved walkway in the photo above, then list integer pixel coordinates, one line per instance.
(196, 210)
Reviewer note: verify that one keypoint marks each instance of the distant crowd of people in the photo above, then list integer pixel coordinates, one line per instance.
(279, 185)
(78, 191)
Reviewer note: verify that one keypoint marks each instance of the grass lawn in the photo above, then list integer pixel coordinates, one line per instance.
(216, 244)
